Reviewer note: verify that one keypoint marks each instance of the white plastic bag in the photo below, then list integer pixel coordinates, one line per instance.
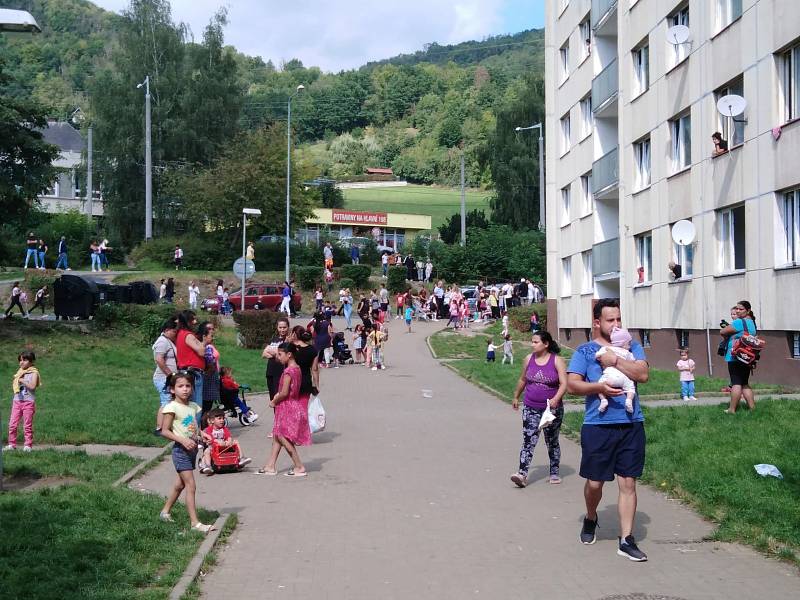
(547, 418)
(768, 471)
(316, 415)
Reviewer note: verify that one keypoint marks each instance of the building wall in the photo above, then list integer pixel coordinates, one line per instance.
(751, 174)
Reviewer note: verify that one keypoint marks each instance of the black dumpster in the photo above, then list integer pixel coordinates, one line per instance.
(75, 296)
(143, 292)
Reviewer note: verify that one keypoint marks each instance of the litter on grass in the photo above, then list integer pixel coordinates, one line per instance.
(768, 471)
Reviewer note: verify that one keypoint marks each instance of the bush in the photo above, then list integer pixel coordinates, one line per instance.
(358, 273)
(519, 317)
(256, 327)
(308, 277)
(143, 322)
(202, 252)
(35, 280)
(396, 280)
(344, 282)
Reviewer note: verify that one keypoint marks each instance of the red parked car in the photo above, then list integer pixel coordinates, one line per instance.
(258, 296)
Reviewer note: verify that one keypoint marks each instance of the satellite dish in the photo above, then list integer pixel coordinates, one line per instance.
(731, 105)
(678, 34)
(683, 232)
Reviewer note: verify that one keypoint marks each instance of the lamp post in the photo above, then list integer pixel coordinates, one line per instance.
(148, 160)
(541, 171)
(300, 88)
(246, 211)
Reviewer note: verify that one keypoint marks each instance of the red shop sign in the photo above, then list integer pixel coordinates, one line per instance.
(355, 217)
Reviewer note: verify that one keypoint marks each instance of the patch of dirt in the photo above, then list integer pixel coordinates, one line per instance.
(29, 482)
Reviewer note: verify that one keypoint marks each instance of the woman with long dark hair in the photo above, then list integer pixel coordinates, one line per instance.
(544, 381)
(308, 361)
(191, 353)
(744, 324)
(274, 366)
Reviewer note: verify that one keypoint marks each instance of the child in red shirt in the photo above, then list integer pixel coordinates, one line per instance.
(400, 300)
(216, 434)
(230, 394)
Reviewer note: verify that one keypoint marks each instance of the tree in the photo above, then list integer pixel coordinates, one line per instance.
(330, 196)
(450, 230)
(26, 160)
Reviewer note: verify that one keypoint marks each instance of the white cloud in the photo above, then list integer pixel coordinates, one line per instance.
(339, 34)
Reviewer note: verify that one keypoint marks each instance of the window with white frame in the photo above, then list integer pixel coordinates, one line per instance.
(683, 256)
(644, 336)
(680, 129)
(731, 128)
(587, 281)
(727, 12)
(563, 60)
(587, 198)
(641, 158)
(53, 190)
(565, 205)
(585, 30)
(731, 224)
(587, 118)
(641, 69)
(566, 276)
(789, 63)
(566, 141)
(677, 53)
(644, 257)
(789, 210)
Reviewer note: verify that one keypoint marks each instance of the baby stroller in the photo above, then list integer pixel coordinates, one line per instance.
(236, 406)
(341, 352)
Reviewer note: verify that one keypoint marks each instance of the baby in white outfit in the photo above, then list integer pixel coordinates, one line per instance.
(621, 346)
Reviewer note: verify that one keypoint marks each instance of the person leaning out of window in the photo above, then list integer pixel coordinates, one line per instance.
(720, 145)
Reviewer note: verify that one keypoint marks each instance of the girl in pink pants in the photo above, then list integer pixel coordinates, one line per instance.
(23, 406)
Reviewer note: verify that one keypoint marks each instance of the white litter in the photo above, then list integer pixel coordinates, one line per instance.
(427, 393)
(768, 471)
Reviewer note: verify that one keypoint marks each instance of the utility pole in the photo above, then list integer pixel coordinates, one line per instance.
(89, 194)
(299, 89)
(148, 162)
(463, 205)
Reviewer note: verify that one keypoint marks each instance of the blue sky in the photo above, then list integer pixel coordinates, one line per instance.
(345, 34)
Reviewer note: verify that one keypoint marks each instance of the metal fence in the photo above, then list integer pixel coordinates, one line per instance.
(605, 86)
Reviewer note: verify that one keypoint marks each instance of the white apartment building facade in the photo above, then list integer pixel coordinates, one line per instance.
(629, 119)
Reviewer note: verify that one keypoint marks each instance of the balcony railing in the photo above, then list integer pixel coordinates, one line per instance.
(605, 172)
(605, 258)
(605, 86)
(600, 8)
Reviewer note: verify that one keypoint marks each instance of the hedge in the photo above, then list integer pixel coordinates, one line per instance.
(308, 277)
(142, 322)
(396, 280)
(519, 317)
(358, 273)
(345, 283)
(256, 327)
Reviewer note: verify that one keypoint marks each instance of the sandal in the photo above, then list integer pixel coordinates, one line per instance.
(519, 480)
(293, 473)
(166, 517)
(265, 471)
(555, 479)
(202, 527)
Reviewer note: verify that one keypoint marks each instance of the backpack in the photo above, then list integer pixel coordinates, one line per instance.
(747, 349)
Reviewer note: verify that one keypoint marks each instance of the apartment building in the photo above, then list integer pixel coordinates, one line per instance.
(630, 111)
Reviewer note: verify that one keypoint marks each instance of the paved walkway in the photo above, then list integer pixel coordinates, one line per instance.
(409, 498)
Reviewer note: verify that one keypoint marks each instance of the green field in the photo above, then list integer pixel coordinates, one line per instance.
(439, 203)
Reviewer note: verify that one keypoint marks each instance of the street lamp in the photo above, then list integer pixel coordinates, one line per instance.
(541, 171)
(246, 211)
(148, 160)
(18, 21)
(300, 88)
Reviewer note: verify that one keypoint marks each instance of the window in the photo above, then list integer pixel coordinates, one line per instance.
(727, 12)
(53, 190)
(731, 239)
(790, 82)
(794, 344)
(587, 118)
(587, 198)
(641, 157)
(585, 30)
(566, 276)
(683, 256)
(676, 53)
(641, 69)
(587, 281)
(644, 257)
(565, 134)
(683, 338)
(731, 128)
(644, 336)
(563, 56)
(681, 144)
(565, 206)
(789, 209)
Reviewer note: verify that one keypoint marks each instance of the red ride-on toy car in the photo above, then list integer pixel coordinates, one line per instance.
(225, 459)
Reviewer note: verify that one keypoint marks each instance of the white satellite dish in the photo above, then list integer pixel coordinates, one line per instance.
(683, 232)
(731, 105)
(678, 34)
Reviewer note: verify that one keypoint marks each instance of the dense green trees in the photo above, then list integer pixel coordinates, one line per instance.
(450, 230)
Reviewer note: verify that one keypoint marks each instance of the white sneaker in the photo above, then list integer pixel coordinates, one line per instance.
(68, 269)
(692, 398)
(685, 398)
(9, 448)
(245, 461)
(253, 417)
(374, 368)
(27, 449)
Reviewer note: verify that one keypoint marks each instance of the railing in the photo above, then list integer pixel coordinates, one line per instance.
(600, 8)
(605, 257)
(605, 172)
(605, 86)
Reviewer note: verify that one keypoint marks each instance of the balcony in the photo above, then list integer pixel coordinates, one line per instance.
(603, 12)
(605, 175)
(605, 90)
(605, 259)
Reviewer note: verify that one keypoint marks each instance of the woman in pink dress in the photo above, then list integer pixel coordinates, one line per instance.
(291, 417)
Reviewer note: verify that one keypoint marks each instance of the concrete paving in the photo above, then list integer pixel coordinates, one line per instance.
(408, 497)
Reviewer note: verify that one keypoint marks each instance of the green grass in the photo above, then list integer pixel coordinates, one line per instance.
(97, 388)
(706, 458)
(78, 465)
(439, 203)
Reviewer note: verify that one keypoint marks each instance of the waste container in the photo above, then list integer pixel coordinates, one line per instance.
(75, 296)
(143, 292)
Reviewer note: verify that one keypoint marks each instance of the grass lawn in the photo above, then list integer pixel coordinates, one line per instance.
(707, 457)
(439, 203)
(88, 540)
(98, 388)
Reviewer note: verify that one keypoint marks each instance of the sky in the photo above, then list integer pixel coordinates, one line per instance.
(343, 34)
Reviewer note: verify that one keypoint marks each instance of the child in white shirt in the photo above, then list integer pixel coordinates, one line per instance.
(508, 350)
(686, 368)
(620, 345)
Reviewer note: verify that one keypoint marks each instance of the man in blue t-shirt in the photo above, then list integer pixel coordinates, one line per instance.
(613, 441)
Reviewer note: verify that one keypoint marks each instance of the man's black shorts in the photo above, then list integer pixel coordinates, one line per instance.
(739, 373)
(608, 450)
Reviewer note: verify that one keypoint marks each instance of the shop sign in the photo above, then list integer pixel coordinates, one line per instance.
(353, 217)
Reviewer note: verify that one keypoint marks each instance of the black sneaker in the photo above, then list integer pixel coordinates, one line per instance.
(587, 532)
(630, 550)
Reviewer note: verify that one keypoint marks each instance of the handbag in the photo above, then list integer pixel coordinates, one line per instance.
(316, 415)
